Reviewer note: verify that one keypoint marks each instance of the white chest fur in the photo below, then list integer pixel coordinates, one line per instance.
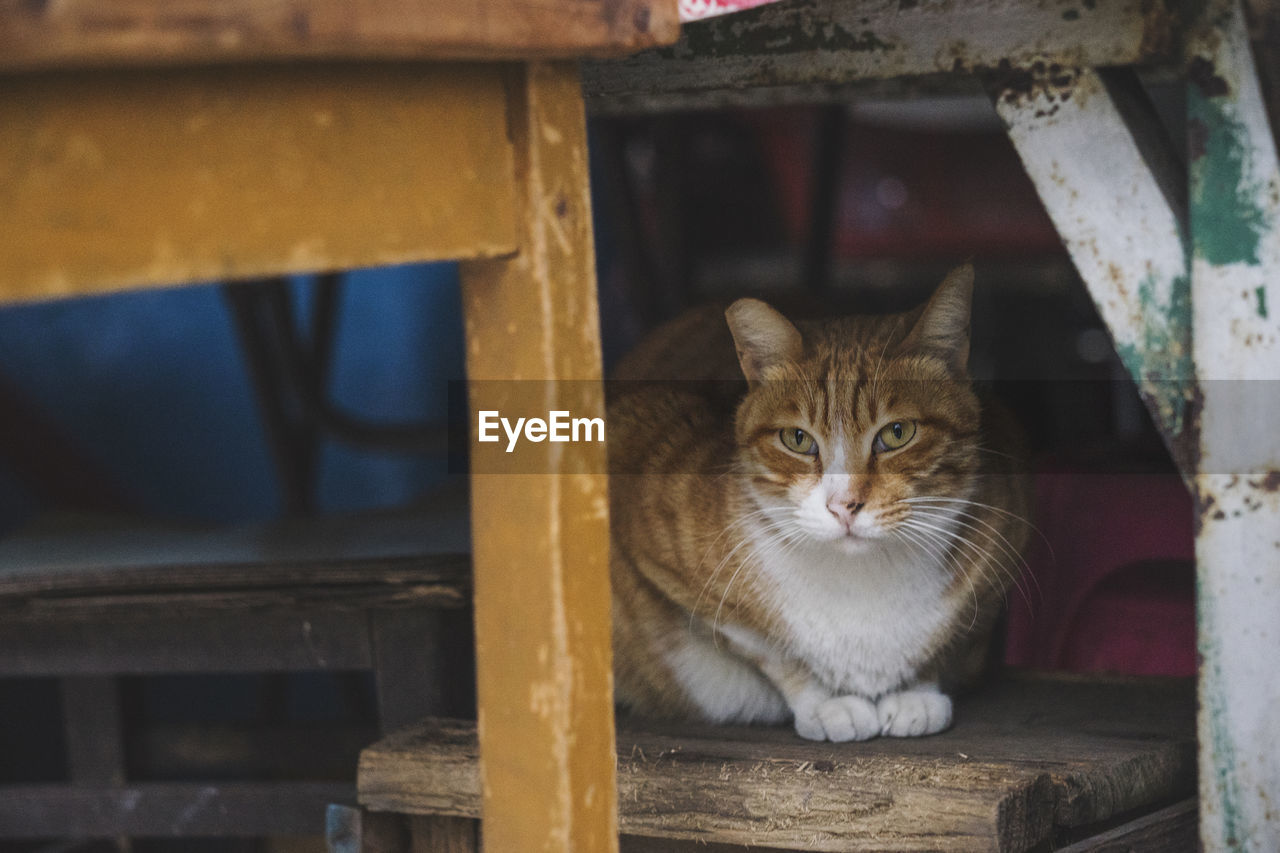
(862, 623)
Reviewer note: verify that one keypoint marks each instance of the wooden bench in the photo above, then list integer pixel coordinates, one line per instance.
(86, 599)
(1032, 761)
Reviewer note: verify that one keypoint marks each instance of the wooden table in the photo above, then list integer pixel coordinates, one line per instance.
(148, 142)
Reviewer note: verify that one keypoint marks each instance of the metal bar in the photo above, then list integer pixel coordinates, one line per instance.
(1104, 169)
(1235, 232)
(836, 41)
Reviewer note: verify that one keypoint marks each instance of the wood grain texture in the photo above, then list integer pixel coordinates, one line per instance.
(149, 643)
(540, 516)
(1026, 758)
(1174, 829)
(433, 834)
(113, 179)
(41, 34)
(89, 563)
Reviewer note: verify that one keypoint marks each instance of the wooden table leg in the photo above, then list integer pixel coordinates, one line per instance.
(541, 539)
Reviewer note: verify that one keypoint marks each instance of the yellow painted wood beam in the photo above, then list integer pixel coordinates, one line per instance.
(125, 178)
(44, 34)
(541, 538)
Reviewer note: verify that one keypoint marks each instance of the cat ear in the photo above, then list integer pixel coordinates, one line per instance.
(943, 325)
(764, 337)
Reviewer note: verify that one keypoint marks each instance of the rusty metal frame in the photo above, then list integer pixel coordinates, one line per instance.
(1181, 258)
(1235, 229)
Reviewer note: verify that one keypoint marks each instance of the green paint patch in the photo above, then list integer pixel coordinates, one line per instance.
(1225, 793)
(1227, 219)
(1071, 15)
(1261, 293)
(1159, 355)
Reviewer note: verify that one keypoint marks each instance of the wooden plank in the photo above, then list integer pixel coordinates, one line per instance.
(168, 809)
(408, 666)
(102, 555)
(249, 750)
(123, 178)
(540, 516)
(433, 834)
(1174, 829)
(349, 829)
(1025, 758)
(149, 32)
(247, 642)
(819, 42)
(94, 734)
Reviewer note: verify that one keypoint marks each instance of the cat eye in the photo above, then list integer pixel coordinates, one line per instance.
(798, 441)
(893, 436)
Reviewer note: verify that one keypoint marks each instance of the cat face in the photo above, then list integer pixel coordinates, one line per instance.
(850, 424)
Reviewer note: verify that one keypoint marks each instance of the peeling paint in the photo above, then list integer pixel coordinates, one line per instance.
(1223, 197)
(1261, 293)
(1158, 356)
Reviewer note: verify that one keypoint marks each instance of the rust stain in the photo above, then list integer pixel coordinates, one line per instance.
(1271, 482)
(1018, 83)
(1204, 76)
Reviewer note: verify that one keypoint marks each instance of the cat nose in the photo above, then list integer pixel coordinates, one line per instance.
(844, 508)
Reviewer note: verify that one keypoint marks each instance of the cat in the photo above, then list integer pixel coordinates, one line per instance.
(829, 542)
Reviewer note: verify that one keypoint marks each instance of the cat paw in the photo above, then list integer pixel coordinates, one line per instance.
(913, 713)
(839, 719)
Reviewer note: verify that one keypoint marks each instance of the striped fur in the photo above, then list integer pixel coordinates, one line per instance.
(743, 592)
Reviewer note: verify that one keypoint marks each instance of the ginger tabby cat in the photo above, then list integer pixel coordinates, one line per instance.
(831, 542)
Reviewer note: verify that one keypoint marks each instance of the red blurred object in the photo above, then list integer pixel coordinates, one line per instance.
(908, 192)
(1117, 591)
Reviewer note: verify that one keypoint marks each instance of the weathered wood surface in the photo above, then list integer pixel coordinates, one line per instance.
(431, 834)
(168, 809)
(92, 727)
(541, 549)
(73, 33)
(115, 179)
(807, 42)
(85, 563)
(185, 642)
(1174, 829)
(1026, 758)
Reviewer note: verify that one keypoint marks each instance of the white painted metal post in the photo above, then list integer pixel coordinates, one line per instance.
(1235, 274)
(1099, 164)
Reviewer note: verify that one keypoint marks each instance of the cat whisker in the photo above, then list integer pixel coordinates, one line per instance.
(940, 546)
(996, 509)
(1006, 546)
(1006, 549)
(980, 552)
